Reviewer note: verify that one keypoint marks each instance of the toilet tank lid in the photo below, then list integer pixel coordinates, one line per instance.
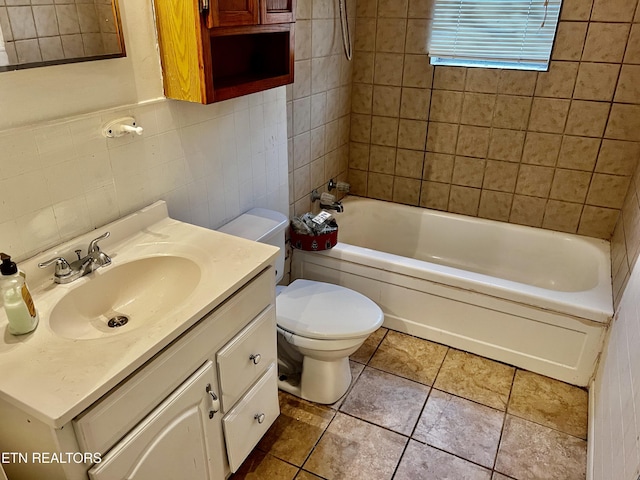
(257, 224)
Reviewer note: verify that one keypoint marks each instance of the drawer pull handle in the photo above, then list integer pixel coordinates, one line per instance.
(259, 417)
(215, 403)
(255, 358)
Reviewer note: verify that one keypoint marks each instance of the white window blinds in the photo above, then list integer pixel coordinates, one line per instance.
(494, 33)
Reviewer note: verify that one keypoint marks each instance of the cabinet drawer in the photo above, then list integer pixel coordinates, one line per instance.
(250, 419)
(246, 357)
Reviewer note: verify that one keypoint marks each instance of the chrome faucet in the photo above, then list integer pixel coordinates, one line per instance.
(66, 272)
(337, 206)
(327, 201)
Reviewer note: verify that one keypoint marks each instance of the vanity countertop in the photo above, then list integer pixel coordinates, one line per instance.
(55, 378)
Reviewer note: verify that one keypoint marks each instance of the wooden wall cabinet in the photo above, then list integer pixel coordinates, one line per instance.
(222, 49)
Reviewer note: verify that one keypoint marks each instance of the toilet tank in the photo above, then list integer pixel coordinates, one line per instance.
(264, 226)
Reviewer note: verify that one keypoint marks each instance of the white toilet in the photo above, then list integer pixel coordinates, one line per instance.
(319, 324)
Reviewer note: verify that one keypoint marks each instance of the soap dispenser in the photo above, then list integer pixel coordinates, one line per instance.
(16, 299)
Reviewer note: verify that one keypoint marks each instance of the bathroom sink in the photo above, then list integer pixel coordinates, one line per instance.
(118, 299)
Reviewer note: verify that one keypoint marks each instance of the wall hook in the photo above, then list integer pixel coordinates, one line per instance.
(121, 126)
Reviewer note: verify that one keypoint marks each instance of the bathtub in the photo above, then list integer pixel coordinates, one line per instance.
(533, 298)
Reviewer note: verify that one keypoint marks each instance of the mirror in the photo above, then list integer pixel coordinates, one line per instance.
(51, 32)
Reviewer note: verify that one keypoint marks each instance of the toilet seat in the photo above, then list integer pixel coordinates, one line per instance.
(325, 311)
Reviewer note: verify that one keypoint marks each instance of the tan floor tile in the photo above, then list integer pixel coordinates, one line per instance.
(459, 426)
(422, 461)
(356, 370)
(475, 378)
(260, 466)
(550, 402)
(353, 449)
(409, 357)
(496, 476)
(529, 451)
(302, 475)
(387, 400)
(368, 348)
(298, 428)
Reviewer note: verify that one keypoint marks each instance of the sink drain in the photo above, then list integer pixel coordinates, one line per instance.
(118, 321)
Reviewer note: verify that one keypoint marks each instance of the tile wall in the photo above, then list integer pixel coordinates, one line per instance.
(210, 163)
(44, 30)
(318, 103)
(554, 149)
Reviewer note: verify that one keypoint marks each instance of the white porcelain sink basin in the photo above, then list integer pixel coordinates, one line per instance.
(131, 295)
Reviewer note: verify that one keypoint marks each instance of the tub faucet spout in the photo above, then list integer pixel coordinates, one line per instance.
(337, 206)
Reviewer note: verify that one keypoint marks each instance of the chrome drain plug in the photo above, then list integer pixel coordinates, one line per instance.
(118, 321)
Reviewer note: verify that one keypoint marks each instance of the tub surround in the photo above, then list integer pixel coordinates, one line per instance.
(465, 304)
(54, 378)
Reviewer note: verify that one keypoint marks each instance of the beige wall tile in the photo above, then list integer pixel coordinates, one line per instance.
(449, 78)
(365, 38)
(576, 9)
(559, 81)
(607, 190)
(442, 137)
(596, 81)
(632, 54)
(388, 69)
(473, 141)
(541, 149)
(415, 103)
(628, 90)
(624, 122)
(477, 109)
(534, 181)
(446, 106)
(412, 134)
(362, 98)
(435, 195)
(363, 67)
(618, 157)
(303, 39)
(316, 173)
(483, 80)
(570, 38)
(579, 153)
(598, 222)
(506, 145)
(517, 82)
(548, 115)
(359, 156)
(382, 159)
(409, 163)
(390, 35)
(417, 71)
(364, 8)
(360, 128)
(512, 112)
(319, 109)
(527, 210)
(562, 216)
(406, 190)
(384, 131)
(613, 10)
(587, 118)
(495, 205)
(318, 142)
(421, 8)
(438, 167)
(500, 176)
(386, 100)
(605, 42)
(392, 8)
(301, 150)
(380, 186)
(570, 185)
(418, 32)
(358, 181)
(302, 83)
(45, 20)
(468, 171)
(301, 182)
(464, 200)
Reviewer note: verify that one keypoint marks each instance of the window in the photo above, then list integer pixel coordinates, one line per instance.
(516, 34)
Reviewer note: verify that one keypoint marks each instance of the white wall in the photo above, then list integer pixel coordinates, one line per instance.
(59, 177)
(616, 393)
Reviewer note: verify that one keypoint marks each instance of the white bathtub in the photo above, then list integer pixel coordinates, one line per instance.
(533, 298)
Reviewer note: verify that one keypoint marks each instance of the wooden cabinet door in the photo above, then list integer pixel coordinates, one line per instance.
(277, 11)
(233, 13)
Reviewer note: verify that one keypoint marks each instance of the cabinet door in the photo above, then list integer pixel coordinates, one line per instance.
(176, 440)
(278, 11)
(233, 13)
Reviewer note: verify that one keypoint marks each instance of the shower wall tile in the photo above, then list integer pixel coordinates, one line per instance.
(553, 149)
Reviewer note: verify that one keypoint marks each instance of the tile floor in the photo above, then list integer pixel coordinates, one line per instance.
(418, 410)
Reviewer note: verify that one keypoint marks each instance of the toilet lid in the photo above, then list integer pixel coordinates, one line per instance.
(325, 311)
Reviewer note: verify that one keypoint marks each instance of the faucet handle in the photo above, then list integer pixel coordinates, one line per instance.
(93, 245)
(62, 266)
